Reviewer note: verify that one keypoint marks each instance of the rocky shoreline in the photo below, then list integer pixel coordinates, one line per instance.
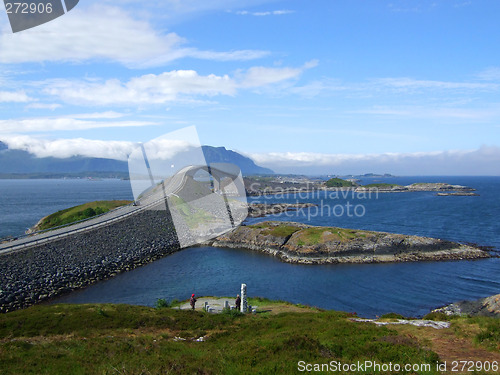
(41, 272)
(439, 187)
(300, 243)
(489, 306)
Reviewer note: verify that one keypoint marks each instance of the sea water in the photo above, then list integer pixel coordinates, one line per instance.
(368, 289)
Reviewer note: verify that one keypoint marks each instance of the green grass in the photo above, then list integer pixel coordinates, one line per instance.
(310, 236)
(313, 236)
(282, 230)
(338, 182)
(381, 185)
(84, 211)
(110, 339)
(489, 334)
(192, 217)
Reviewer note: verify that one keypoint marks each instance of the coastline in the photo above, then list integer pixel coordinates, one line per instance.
(288, 241)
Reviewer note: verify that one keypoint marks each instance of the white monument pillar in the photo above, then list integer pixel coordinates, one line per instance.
(243, 308)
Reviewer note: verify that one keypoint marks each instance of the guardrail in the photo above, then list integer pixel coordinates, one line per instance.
(35, 241)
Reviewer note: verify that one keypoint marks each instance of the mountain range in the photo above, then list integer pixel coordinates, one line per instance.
(19, 162)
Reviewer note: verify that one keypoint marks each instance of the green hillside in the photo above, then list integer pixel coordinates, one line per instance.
(77, 213)
(338, 182)
(123, 339)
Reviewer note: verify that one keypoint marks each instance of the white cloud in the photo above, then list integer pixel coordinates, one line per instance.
(51, 106)
(490, 74)
(77, 122)
(485, 113)
(144, 90)
(177, 85)
(104, 33)
(14, 97)
(404, 83)
(267, 13)
(259, 76)
(63, 148)
(482, 161)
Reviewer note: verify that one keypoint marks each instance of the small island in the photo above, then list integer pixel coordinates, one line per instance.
(300, 243)
(279, 185)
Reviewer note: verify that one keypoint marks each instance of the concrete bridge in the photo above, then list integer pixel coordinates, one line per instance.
(40, 266)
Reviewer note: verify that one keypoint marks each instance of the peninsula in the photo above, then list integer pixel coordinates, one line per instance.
(300, 243)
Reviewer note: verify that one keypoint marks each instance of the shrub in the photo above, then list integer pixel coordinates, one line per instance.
(392, 316)
(232, 312)
(438, 316)
(162, 303)
(338, 182)
(89, 212)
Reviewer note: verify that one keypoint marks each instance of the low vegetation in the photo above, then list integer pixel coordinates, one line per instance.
(192, 216)
(313, 236)
(109, 339)
(84, 211)
(283, 230)
(338, 182)
(310, 236)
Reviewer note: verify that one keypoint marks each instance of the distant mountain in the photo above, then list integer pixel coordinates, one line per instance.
(22, 162)
(18, 161)
(221, 155)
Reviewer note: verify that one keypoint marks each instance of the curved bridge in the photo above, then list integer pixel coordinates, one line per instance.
(155, 198)
(40, 266)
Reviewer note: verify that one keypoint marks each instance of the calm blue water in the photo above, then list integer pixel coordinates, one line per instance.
(464, 219)
(411, 289)
(369, 289)
(24, 202)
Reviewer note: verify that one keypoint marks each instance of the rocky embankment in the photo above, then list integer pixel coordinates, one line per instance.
(39, 272)
(301, 243)
(438, 187)
(489, 306)
(263, 209)
(423, 186)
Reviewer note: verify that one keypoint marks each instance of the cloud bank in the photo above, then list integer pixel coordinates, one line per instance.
(482, 161)
(106, 33)
(177, 85)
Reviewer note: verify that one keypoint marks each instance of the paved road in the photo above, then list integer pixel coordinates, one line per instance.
(153, 199)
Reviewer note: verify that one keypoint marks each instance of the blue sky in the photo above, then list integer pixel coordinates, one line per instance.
(334, 86)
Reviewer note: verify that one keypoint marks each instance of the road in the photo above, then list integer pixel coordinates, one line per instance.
(154, 199)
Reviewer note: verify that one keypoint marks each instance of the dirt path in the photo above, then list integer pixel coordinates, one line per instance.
(449, 346)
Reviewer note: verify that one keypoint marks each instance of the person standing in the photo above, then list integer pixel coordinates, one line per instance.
(192, 301)
(238, 302)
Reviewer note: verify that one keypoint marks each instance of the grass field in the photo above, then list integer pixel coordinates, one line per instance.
(77, 213)
(123, 339)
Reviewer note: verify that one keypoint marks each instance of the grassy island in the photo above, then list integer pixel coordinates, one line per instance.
(81, 212)
(338, 182)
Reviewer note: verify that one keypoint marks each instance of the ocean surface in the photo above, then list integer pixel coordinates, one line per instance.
(368, 289)
(24, 202)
